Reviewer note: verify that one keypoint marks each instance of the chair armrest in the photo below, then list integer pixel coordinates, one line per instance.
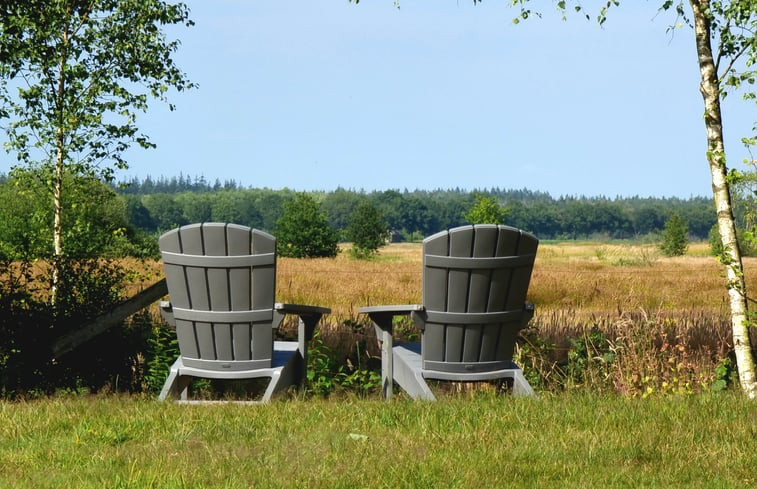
(382, 315)
(301, 309)
(309, 317)
(166, 310)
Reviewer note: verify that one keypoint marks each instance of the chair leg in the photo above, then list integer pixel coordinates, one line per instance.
(183, 386)
(170, 387)
(521, 387)
(273, 386)
(284, 376)
(407, 373)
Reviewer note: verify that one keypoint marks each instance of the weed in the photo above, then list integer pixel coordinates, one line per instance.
(326, 375)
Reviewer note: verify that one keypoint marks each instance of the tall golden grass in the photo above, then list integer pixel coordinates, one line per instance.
(574, 285)
(630, 293)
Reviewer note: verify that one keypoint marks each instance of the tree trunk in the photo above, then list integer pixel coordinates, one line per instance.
(710, 88)
(60, 159)
(57, 223)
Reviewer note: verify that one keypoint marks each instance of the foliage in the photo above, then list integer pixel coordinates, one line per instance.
(743, 193)
(326, 375)
(412, 215)
(747, 244)
(162, 352)
(367, 229)
(29, 325)
(97, 224)
(674, 236)
(303, 230)
(590, 360)
(486, 210)
(73, 77)
(83, 70)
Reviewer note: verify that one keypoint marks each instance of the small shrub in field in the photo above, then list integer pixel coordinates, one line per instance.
(674, 240)
(590, 360)
(367, 230)
(303, 230)
(326, 374)
(538, 359)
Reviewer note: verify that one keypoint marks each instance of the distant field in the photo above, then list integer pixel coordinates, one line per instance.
(585, 276)
(576, 279)
(575, 286)
(636, 320)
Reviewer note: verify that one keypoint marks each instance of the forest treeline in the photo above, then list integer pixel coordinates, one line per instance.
(161, 204)
(127, 217)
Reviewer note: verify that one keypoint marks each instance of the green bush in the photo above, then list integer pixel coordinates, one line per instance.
(30, 325)
(303, 230)
(674, 236)
(486, 210)
(367, 229)
(162, 352)
(747, 244)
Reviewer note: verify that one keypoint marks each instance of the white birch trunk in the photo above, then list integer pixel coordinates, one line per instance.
(58, 176)
(710, 88)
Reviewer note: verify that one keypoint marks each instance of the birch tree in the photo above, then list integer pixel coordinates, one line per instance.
(74, 74)
(725, 33)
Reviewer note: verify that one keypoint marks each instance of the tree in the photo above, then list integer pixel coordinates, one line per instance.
(674, 236)
(73, 76)
(164, 211)
(339, 206)
(725, 34)
(367, 229)
(91, 230)
(303, 230)
(486, 210)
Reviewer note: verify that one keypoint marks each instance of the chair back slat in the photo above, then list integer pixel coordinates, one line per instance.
(435, 295)
(226, 320)
(497, 283)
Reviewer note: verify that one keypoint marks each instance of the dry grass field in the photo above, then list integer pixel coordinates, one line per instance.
(576, 281)
(669, 315)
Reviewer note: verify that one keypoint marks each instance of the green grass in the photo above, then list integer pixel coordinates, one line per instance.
(460, 441)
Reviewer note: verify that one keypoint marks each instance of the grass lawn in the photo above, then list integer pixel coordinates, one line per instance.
(477, 441)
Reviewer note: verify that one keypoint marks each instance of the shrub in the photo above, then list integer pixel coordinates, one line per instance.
(303, 230)
(30, 324)
(674, 236)
(367, 229)
(486, 210)
(747, 242)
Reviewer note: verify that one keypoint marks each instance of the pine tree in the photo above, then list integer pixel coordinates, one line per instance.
(674, 236)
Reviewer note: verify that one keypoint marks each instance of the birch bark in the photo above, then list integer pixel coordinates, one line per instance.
(710, 88)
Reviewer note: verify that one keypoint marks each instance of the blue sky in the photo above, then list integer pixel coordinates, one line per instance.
(314, 95)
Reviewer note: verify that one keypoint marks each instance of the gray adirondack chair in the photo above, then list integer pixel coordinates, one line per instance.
(221, 281)
(475, 280)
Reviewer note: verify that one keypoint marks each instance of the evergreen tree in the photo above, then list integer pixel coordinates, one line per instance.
(674, 236)
(486, 210)
(303, 230)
